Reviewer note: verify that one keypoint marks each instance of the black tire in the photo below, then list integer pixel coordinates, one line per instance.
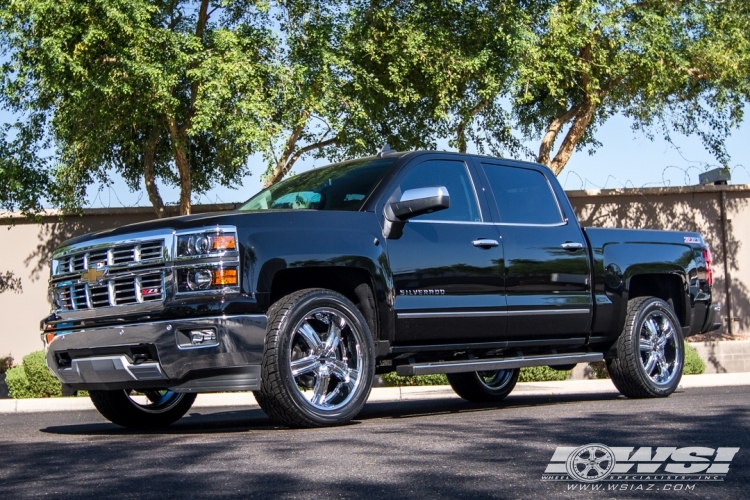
(484, 387)
(338, 373)
(642, 369)
(163, 408)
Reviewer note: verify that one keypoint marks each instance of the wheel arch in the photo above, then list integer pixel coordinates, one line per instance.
(671, 287)
(354, 283)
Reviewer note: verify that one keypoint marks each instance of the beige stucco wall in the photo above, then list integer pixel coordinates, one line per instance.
(27, 246)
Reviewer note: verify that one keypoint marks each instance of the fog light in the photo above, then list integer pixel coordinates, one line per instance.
(200, 280)
(200, 337)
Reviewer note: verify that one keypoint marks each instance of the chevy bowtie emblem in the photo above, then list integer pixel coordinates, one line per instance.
(92, 275)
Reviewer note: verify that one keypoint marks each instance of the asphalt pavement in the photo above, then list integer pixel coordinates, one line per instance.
(438, 447)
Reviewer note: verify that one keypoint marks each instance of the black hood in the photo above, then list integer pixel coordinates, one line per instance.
(196, 221)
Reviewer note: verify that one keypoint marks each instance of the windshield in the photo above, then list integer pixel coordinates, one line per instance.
(343, 186)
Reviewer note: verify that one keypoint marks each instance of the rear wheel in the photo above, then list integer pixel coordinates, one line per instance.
(318, 362)
(650, 351)
(148, 408)
(483, 387)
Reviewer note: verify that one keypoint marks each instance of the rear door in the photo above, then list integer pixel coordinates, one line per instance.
(449, 287)
(546, 260)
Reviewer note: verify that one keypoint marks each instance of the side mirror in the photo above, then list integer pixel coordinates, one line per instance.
(416, 202)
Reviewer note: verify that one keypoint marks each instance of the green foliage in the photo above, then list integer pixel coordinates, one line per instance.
(533, 374)
(32, 379)
(182, 93)
(18, 384)
(542, 374)
(146, 89)
(393, 380)
(669, 66)
(6, 363)
(694, 365)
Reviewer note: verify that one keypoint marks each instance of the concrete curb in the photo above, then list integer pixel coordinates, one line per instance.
(384, 394)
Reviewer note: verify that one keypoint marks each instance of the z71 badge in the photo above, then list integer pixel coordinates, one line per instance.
(693, 239)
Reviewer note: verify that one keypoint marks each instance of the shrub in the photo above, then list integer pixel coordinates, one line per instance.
(32, 379)
(394, 380)
(533, 374)
(694, 365)
(542, 374)
(18, 384)
(6, 363)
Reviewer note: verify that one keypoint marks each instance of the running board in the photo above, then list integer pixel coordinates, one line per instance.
(479, 365)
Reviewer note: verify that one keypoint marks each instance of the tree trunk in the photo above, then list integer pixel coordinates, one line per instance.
(179, 149)
(461, 137)
(149, 173)
(461, 143)
(577, 129)
(549, 137)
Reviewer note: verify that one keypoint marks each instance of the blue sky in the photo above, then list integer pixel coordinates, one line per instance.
(624, 160)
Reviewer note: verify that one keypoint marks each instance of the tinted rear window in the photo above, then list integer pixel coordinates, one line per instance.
(523, 196)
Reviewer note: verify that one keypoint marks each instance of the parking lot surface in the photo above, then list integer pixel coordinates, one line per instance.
(436, 448)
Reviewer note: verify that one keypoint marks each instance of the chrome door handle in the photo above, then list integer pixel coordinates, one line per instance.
(485, 243)
(570, 245)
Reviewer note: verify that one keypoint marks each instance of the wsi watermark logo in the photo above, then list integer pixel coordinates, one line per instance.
(595, 462)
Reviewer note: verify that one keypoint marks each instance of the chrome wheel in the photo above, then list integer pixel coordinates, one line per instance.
(649, 353)
(495, 380)
(660, 352)
(159, 401)
(326, 358)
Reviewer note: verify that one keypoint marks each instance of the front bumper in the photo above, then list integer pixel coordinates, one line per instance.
(160, 355)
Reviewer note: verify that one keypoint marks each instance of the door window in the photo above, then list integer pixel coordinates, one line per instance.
(523, 196)
(455, 177)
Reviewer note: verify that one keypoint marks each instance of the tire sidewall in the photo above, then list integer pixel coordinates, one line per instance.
(646, 308)
(325, 299)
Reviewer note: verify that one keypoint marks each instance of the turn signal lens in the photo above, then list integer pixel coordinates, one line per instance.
(49, 337)
(225, 277)
(224, 242)
(709, 270)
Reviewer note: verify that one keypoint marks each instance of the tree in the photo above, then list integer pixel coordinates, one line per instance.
(24, 177)
(340, 94)
(164, 90)
(440, 69)
(668, 65)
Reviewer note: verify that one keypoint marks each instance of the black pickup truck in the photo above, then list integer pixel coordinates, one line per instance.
(419, 263)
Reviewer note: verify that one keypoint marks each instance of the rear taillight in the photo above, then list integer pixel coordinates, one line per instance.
(709, 271)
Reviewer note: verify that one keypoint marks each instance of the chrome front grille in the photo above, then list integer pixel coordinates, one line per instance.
(114, 255)
(117, 291)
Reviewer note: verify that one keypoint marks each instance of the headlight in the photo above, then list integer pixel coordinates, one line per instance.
(207, 260)
(211, 243)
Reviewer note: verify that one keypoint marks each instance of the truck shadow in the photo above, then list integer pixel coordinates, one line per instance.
(219, 421)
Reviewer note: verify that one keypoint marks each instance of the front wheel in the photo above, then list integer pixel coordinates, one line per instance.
(650, 351)
(147, 408)
(484, 387)
(318, 361)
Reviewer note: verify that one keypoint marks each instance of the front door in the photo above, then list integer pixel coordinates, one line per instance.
(447, 266)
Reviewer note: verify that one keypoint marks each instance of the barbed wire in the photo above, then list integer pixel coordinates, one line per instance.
(586, 183)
